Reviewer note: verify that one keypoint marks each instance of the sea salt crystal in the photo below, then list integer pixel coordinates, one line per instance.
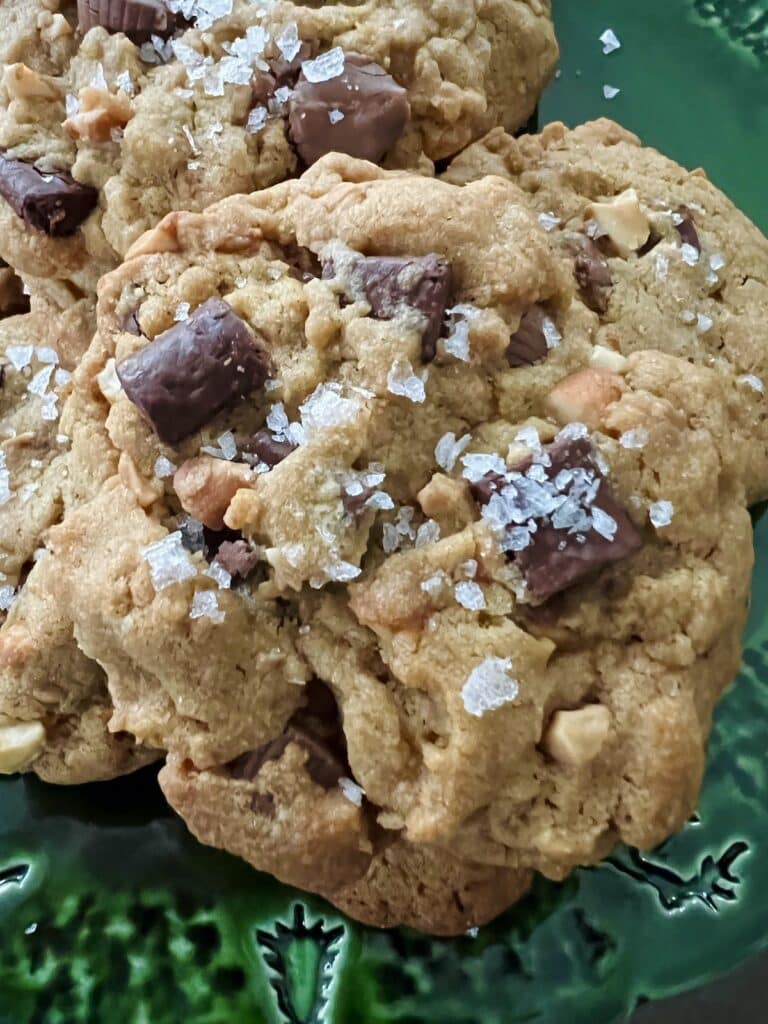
(205, 605)
(390, 538)
(610, 91)
(182, 312)
(469, 568)
(688, 316)
(603, 524)
(472, 932)
(71, 105)
(703, 323)
(351, 791)
(288, 42)
(169, 561)
(380, 500)
(164, 467)
(610, 41)
(5, 481)
(217, 572)
(752, 381)
(427, 533)
(99, 81)
(257, 118)
(716, 262)
(49, 410)
(435, 583)
(448, 449)
(325, 67)
(61, 377)
(470, 595)
(342, 572)
(20, 355)
(572, 432)
(549, 221)
(7, 597)
(636, 438)
(489, 686)
(39, 383)
(516, 539)
(402, 381)
(660, 513)
(228, 445)
(476, 466)
(689, 254)
(125, 82)
(662, 267)
(326, 407)
(552, 336)
(334, 116)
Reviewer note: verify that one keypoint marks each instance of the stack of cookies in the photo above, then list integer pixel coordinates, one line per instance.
(383, 474)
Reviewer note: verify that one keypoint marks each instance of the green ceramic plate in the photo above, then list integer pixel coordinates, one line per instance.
(109, 912)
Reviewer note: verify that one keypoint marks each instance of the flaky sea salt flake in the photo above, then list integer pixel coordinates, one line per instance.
(325, 67)
(427, 533)
(549, 221)
(489, 686)
(217, 572)
(604, 524)
(660, 513)
(752, 382)
(610, 92)
(288, 42)
(610, 41)
(334, 116)
(164, 467)
(169, 561)
(20, 355)
(257, 118)
(448, 449)
(689, 254)
(635, 438)
(470, 595)
(205, 605)
(351, 791)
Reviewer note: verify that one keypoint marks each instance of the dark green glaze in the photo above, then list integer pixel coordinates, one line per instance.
(110, 912)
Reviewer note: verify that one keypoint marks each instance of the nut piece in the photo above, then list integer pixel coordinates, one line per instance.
(23, 83)
(602, 358)
(584, 396)
(109, 382)
(577, 737)
(161, 238)
(20, 743)
(448, 502)
(53, 27)
(145, 491)
(622, 220)
(205, 487)
(100, 113)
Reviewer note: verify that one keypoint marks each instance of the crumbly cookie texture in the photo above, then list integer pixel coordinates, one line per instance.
(420, 588)
(129, 127)
(49, 689)
(662, 258)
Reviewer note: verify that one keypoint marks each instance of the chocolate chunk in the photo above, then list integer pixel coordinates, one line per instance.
(354, 504)
(375, 110)
(593, 276)
(269, 449)
(650, 243)
(263, 87)
(138, 19)
(565, 548)
(192, 535)
(389, 283)
(483, 489)
(322, 764)
(2, 374)
(687, 229)
(238, 557)
(528, 345)
(53, 203)
(195, 369)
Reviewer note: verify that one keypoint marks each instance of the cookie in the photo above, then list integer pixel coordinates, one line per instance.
(173, 107)
(420, 589)
(53, 700)
(660, 256)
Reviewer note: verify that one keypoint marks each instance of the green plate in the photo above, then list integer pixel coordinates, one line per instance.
(110, 912)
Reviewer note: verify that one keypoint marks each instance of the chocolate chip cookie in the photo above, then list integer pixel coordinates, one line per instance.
(144, 107)
(420, 588)
(659, 256)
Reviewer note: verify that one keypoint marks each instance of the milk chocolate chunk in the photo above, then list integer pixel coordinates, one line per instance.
(361, 112)
(195, 369)
(238, 557)
(593, 276)
(322, 764)
(389, 283)
(137, 19)
(528, 345)
(687, 229)
(584, 527)
(55, 204)
(269, 449)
